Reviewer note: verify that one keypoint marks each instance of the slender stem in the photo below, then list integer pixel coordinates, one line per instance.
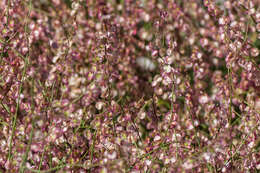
(20, 86)
(16, 112)
(93, 145)
(40, 165)
(21, 169)
(7, 13)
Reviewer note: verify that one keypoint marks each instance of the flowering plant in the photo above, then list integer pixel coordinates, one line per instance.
(130, 86)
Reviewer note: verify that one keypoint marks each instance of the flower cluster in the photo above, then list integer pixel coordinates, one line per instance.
(130, 86)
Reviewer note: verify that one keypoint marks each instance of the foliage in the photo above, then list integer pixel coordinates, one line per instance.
(129, 86)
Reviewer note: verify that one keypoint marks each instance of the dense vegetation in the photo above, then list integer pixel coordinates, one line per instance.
(129, 86)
